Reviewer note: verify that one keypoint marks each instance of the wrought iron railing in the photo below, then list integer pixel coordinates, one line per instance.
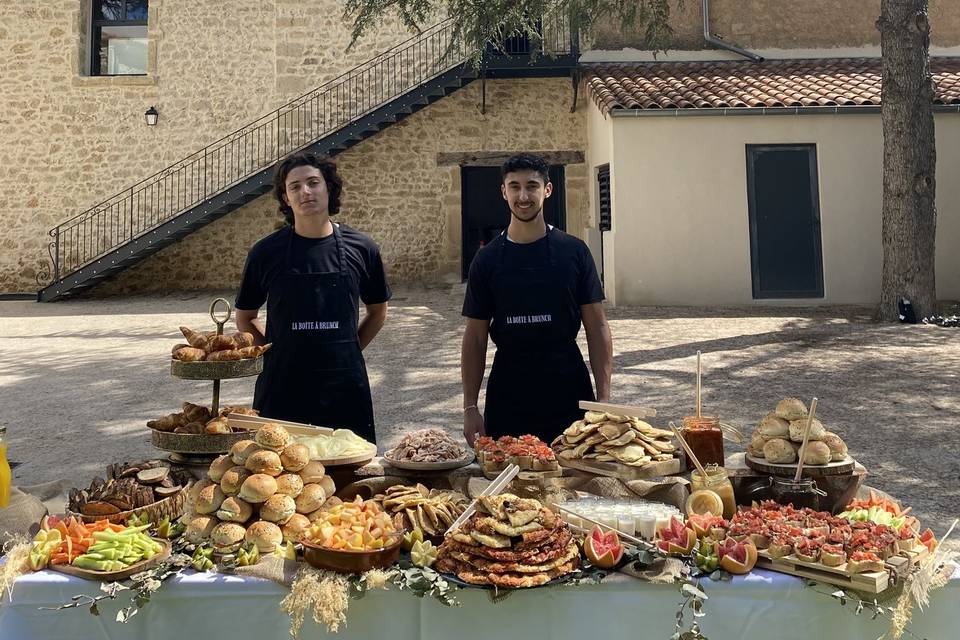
(258, 145)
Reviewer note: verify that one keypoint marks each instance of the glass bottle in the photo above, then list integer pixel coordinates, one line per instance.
(6, 477)
(800, 494)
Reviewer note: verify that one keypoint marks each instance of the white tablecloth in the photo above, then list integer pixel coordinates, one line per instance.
(761, 605)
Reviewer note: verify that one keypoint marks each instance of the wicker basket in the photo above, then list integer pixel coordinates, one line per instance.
(171, 507)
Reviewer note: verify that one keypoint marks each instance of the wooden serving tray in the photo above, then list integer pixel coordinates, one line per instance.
(254, 423)
(528, 475)
(832, 468)
(623, 471)
(870, 582)
(115, 576)
(446, 465)
(618, 409)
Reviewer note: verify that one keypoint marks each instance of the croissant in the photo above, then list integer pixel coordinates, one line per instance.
(196, 428)
(167, 423)
(243, 339)
(189, 354)
(222, 343)
(178, 346)
(196, 339)
(195, 412)
(255, 352)
(225, 354)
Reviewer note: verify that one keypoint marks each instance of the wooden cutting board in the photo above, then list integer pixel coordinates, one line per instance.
(623, 471)
(116, 576)
(832, 468)
(618, 409)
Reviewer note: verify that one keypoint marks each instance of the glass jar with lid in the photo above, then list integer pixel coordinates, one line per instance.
(705, 438)
(716, 480)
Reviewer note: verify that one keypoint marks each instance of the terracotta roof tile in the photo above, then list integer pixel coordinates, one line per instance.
(744, 85)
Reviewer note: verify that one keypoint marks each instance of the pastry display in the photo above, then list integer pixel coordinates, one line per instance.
(430, 510)
(510, 543)
(128, 486)
(426, 445)
(528, 452)
(778, 437)
(210, 347)
(266, 493)
(606, 437)
(197, 419)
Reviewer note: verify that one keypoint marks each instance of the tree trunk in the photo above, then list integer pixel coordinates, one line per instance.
(909, 159)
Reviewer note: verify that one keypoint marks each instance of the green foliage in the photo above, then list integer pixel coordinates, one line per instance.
(492, 21)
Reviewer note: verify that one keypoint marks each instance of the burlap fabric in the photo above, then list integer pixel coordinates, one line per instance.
(28, 504)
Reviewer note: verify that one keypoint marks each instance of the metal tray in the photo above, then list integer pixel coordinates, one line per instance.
(219, 370)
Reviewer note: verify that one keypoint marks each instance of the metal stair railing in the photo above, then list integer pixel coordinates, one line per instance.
(261, 143)
(251, 149)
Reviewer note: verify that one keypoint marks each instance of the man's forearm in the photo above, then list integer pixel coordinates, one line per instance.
(370, 326)
(473, 361)
(255, 327)
(600, 347)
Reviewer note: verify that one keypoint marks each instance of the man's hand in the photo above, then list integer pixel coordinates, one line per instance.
(473, 426)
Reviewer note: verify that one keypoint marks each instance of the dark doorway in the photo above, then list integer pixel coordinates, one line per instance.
(784, 205)
(484, 212)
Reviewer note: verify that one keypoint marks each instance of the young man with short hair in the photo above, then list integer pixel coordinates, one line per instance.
(312, 274)
(529, 290)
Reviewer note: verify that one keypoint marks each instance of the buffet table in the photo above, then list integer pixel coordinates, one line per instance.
(760, 605)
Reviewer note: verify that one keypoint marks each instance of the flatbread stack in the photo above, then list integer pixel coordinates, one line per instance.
(432, 510)
(510, 543)
(606, 437)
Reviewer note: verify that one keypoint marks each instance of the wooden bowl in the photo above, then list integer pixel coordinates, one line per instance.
(343, 561)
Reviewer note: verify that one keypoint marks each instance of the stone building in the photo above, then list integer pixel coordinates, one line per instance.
(177, 204)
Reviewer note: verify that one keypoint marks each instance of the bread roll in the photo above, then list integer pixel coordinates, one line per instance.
(757, 440)
(232, 479)
(779, 451)
(290, 484)
(233, 509)
(264, 461)
(816, 453)
(311, 498)
(242, 450)
(817, 430)
(257, 488)
(295, 457)
(791, 409)
(209, 499)
(266, 535)
(773, 426)
(218, 467)
(278, 508)
(838, 448)
(294, 527)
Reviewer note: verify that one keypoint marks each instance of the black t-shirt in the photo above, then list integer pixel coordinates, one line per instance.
(570, 254)
(267, 260)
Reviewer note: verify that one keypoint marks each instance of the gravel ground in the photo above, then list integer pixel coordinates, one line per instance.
(78, 379)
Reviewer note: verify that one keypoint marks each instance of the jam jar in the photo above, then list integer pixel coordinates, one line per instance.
(717, 481)
(705, 438)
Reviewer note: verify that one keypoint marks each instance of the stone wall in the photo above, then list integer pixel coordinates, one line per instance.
(778, 24)
(68, 141)
(395, 190)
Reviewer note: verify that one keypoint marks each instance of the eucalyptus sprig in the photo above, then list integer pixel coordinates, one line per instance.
(144, 585)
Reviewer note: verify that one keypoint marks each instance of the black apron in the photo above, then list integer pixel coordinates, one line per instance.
(315, 372)
(538, 377)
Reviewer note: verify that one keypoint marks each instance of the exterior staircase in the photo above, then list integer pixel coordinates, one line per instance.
(125, 229)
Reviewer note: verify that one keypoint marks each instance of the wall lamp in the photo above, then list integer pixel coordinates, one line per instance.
(151, 116)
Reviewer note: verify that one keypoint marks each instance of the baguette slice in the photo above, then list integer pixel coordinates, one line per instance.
(864, 561)
(832, 555)
(780, 547)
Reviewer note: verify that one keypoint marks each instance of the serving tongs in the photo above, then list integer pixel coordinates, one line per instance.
(493, 488)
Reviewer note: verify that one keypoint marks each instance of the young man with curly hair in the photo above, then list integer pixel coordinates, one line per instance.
(312, 274)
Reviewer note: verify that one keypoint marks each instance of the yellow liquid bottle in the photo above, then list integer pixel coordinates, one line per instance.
(6, 477)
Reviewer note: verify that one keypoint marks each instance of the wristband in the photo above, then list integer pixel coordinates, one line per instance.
(473, 406)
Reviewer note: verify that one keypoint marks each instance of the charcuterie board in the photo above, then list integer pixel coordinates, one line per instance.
(870, 582)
